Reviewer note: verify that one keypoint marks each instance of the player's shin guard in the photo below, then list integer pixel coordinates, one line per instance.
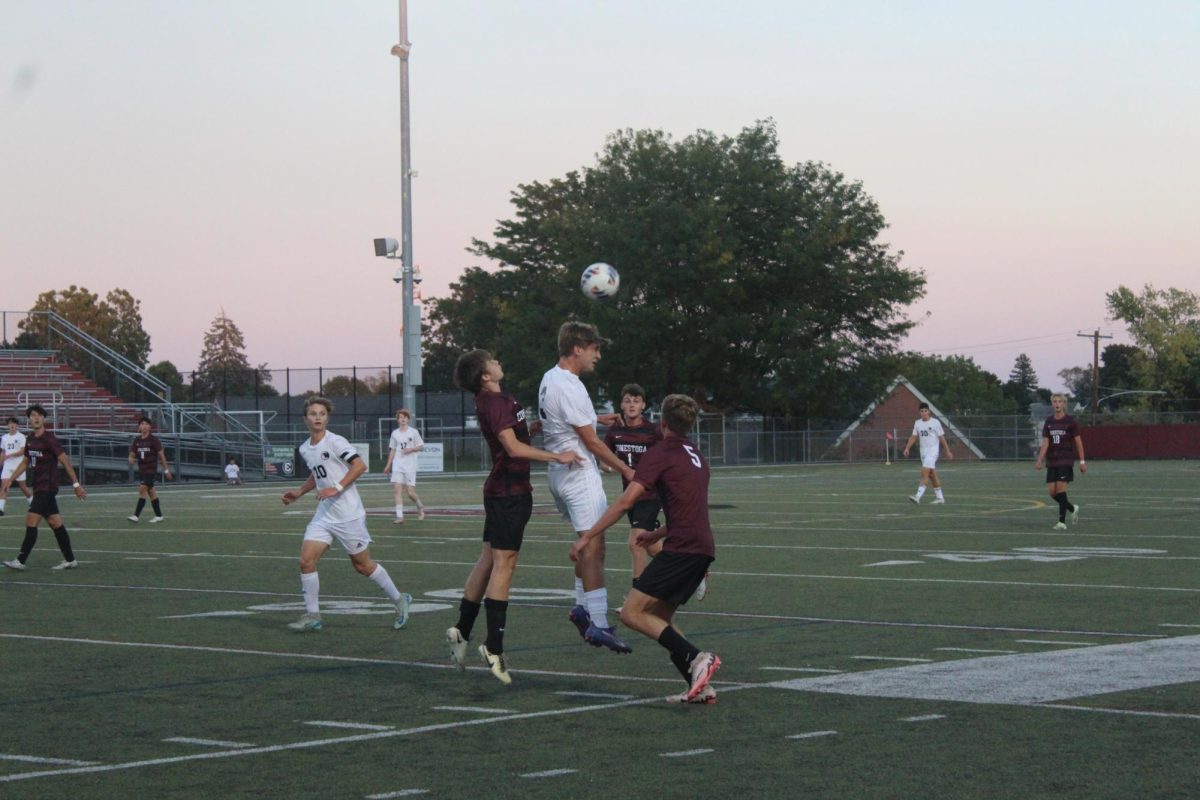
(467, 613)
(157, 507)
(64, 542)
(141, 504)
(27, 544)
(680, 648)
(497, 614)
(1061, 499)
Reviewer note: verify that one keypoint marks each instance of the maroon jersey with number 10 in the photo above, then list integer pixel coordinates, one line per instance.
(675, 468)
(1061, 433)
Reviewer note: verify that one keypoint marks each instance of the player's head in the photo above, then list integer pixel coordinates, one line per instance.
(317, 411)
(403, 417)
(144, 425)
(12, 423)
(232, 460)
(924, 411)
(583, 341)
(470, 368)
(1059, 403)
(36, 415)
(679, 413)
(633, 401)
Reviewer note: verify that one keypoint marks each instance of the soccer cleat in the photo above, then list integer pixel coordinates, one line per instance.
(398, 521)
(496, 664)
(309, 622)
(1059, 526)
(421, 513)
(14, 564)
(938, 501)
(1, 512)
(132, 518)
(66, 565)
(704, 666)
(706, 697)
(605, 637)
(402, 607)
(701, 590)
(157, 519)
(458, 648)
(1075, 514)
(581, 619)
(915, 499)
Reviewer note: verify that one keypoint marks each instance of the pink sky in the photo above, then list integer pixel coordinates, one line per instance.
(223, 155)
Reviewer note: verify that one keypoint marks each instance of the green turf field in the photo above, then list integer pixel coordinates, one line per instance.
(871, 648)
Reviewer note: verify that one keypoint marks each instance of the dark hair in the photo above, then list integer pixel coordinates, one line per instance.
(145, 420)
(37, 408)
(572, 334)
(13, 420)
(633, 390)
(317, 400)
(468, 371)
(679, 412)
(923, 407)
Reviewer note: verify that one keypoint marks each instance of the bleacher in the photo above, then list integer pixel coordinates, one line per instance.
(70, 399)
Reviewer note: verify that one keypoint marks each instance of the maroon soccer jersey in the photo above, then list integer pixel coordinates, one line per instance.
(1061, 433)
(675, 468)
(146, 451)
(630, 443)
(498, 411)
(43, 452)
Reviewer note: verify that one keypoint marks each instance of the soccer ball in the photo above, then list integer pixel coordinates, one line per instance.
(600, 281)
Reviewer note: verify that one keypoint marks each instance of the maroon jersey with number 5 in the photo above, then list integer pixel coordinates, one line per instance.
(675, 468)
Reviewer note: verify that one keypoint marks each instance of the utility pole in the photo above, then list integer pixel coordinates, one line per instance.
(1095, 337)
(411, 316)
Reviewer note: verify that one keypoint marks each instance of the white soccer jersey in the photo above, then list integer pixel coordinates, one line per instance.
(403, 441)
(329, 461)
(10, 444)
(563, 406)
(231, 471)
(928, 434)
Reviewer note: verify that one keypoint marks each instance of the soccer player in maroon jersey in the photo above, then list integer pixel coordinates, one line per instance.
(680, 475)
(507, 505)
(147, 452)
(43, 454)
(630, 438)
(1061, 444)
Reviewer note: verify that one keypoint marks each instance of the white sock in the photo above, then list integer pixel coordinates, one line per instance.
(597, 605)
(381, 579)
(938, 493)
(2, 502)
(920, 492)
(580, 597)
(399, 512)
(310, 585)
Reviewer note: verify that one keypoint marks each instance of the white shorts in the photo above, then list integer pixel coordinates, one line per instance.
(351, 535)
(9, 468)
(579, 495)
(404, 475)
(929, 459)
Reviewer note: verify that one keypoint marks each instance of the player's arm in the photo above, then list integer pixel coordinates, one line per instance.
(1079, 454)
(1041, 456)
(290, 497)
(908, 445)
(646, 538)
(391, 455)
(20, 470)
(65, 460)
(946, 444)
(162, 459)
(611, 515)
(132, 457)
(358, 466)
(587, 435)
(518, 449)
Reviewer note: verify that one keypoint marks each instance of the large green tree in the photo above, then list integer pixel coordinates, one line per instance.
(115, 320)
(224, 369)
(956, 384)
(1022, 385)
(745, 281)
(1165, 324)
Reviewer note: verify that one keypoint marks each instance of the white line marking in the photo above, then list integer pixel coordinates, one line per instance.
(206, 742)
(401, 793)
(1167, 714)
(66, 762)
(599, 695)
(811, 735)
(358, 726)
(685, 753)
(141, 558)
(213, 614)
(550, 773)
(1052, 641)
(923, 718)
(801, 669)
(1176, 625)
(974, 650)
(474, 709)
(893, 658)
(892, 563)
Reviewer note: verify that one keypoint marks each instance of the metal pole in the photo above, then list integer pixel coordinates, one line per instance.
(410, 318)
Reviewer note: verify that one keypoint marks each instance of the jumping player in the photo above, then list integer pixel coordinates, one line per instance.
(1061, 444)
(334, 465)
(43, 454)
(147, 452)
(569, 424)
(680, 474)
(507, 505)
(12, 449)
(401, 466)
(931, 435)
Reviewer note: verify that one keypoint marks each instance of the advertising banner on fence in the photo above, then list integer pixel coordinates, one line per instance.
(431, 458)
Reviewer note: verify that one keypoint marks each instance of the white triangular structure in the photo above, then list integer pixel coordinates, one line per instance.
(887, 393)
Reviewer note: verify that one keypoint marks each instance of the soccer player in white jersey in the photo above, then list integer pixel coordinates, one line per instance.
(334, 465)
(569, 424)
(931, 435)
(12, 446)
(401, 464)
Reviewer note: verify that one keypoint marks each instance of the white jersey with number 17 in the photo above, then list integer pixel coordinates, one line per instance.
(329, 461)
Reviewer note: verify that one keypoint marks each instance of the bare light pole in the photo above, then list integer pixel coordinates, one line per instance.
(411, 318)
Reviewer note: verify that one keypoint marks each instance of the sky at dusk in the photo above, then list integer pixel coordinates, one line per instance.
(225, 154)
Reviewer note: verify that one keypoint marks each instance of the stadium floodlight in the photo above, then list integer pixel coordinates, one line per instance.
(386, 247)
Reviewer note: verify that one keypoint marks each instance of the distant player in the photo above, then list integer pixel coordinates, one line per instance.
(507, 505)
(334, 465)
(1061, 444)
(233, 473)
(147, 452)
(569, 425)
(932, 437)
(12, 447)
(401, 464)
(43, 455)
(680, 474)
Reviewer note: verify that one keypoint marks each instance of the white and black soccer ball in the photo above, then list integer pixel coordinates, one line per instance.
(600, 281)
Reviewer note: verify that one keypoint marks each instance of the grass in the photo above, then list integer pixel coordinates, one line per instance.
(173, 633)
